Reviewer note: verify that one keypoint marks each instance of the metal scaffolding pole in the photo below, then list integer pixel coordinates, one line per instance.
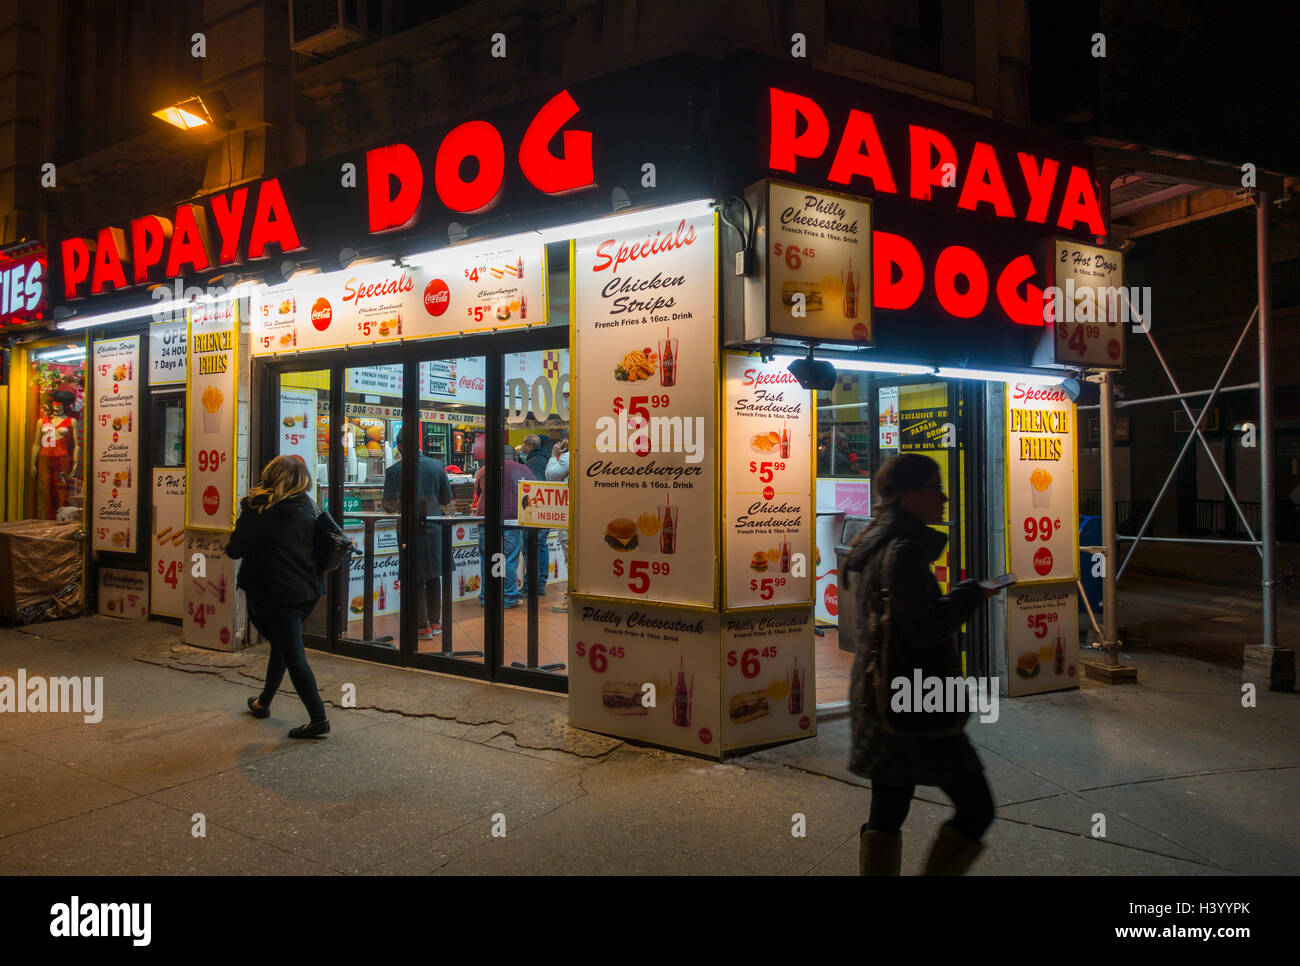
(1266, 512)
(1110, 620)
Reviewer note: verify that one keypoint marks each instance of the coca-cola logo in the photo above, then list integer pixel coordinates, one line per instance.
(322, 314)
(476, 383)
(754, 377)
(354, 291)
(706, 736)
(211, 500)
(436, 297)
(1043, 561)
(832, 600)
(1034, 393)
(225, 635)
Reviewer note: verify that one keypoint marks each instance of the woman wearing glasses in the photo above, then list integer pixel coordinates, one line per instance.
(906, 624)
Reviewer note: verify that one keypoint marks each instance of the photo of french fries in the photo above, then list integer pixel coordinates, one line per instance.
(212, 400)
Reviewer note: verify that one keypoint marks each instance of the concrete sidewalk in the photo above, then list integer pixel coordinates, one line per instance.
(414, 779)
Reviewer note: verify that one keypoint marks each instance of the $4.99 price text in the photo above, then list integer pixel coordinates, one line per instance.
(640, 572)
(749, 664)
(201, 612)
(599, 656)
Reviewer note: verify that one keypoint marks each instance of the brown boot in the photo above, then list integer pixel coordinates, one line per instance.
(879, 853)
(952, 853)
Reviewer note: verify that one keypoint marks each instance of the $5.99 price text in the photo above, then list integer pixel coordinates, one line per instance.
(640, 572)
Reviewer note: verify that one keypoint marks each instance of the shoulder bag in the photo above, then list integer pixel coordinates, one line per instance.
(330, 545)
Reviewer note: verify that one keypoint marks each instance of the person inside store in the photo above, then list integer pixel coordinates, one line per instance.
(907, 625)
(831, 444)
(557, 471)
(513, 538)
(55, 454)
(274, 537)
(434, 488)
(536, 459)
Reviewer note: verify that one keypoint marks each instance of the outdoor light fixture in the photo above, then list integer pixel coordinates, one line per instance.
(347, 256)
(628, 220)
(618, 200)
(192, 113)
(813, 374)
(456, 232)
(63, 354)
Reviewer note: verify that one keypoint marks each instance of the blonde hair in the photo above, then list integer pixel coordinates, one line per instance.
(284, 477)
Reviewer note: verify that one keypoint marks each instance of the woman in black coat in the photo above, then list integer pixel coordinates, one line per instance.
(274, 536)
(902, 613)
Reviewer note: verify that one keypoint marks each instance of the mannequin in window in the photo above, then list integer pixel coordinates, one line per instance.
(55, 453)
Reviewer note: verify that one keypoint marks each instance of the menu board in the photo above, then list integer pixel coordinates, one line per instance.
(888, 416)
(622, 655)
(297, 426)
(123, 593)
(1042, 639)
(769, 688)
(167, 352)
(209, 590)
(386, 595)
(116, 444)
(767, 484)
(644, 460)
(486, 286)
(212, 399)
(818, 265)
(1088, 313)
(1042, 499)
(167, 548)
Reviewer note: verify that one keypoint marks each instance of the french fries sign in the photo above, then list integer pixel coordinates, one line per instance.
(213, 345)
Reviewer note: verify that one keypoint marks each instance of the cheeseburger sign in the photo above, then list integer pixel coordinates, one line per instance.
(260, 221)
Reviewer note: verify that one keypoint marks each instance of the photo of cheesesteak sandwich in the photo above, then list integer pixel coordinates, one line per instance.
(622, 697)
(811, 292)
(748, 706)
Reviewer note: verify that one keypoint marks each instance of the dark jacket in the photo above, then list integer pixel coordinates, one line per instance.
(539, 458)
(894, 553)
(277, 549)
(435, 493)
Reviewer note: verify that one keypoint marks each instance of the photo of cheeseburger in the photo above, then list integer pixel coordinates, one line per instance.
(1027, 665)
(358, 604)
(748, 706)
(621, 534)
(758, 562)
(622, 697)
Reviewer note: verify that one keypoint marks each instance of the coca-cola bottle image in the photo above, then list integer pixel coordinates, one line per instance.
(667, 362)
(519, 267)
(785, 443)
(785, 556)
(1058, 665)
(682, 700)
(850, 295)
(383, 597)
(796, 691)
(221, 589)
(523, 306)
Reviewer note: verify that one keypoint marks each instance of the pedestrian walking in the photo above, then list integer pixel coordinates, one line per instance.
(274, 536)
(906, 624)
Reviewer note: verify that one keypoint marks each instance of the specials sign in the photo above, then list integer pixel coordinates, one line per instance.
(483, 287)
(212, 399)
(1042, 499)
(116, 433)
(643, 470)
(768, 492)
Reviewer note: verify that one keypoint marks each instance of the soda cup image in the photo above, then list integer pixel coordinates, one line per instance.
(667, 362)
(212, 400)
(1040, 489)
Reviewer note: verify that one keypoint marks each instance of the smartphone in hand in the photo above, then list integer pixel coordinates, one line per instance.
(997, 583)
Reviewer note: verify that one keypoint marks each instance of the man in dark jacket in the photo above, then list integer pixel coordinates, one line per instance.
(435, 497)
(536, 455)
(906, 624)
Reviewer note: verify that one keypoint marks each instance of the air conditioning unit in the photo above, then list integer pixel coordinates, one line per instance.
(323, 28)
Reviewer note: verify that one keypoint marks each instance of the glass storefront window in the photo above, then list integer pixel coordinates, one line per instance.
(55, 435)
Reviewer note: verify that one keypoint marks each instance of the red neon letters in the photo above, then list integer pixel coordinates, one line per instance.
(860, 154)
(481, 141)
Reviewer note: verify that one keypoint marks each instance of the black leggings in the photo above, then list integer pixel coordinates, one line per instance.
(974, 804)
(282, 627)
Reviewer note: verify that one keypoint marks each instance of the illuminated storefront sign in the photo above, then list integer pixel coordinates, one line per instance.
(22, 287)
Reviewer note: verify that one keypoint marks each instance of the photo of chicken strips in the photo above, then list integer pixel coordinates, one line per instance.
(637, 365)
